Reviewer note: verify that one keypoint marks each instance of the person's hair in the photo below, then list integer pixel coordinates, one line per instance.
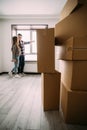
(14, 40)
(19, 34)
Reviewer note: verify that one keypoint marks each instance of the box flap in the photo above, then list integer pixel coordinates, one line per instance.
(70, 7)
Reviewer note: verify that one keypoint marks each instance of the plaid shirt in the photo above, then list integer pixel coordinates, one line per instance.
(21, 44)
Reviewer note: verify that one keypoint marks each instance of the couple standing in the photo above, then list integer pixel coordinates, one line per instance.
(18, 56)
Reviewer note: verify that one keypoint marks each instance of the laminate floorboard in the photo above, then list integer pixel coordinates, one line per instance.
(21, 106)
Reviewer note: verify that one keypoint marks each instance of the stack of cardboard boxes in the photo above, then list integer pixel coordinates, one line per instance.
(71, 60)
(50, 78)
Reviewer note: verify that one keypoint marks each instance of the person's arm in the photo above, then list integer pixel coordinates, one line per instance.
(28, 42)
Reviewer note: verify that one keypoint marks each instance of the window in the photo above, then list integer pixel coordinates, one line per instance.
(29, 33)
(30, 48)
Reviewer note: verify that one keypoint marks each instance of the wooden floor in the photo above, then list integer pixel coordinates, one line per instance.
(21, 106)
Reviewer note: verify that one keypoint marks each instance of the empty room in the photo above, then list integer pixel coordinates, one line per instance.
(43, 64)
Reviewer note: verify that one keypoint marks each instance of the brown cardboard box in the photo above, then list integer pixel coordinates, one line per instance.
(73, 25)
(73, 74)
(75, 48)
(70, 6)
(74, 106)
(50, 90)
(45, 50)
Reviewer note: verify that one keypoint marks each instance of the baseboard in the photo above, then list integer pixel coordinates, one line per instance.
(24, 72)
(3, 73)
(32, 73)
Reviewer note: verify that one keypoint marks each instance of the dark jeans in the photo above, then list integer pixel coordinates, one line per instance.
(21, 64)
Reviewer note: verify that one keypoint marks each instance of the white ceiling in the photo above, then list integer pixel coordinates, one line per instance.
(31, 7)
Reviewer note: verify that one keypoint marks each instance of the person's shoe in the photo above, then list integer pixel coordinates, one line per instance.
(17, 76)
(10, 74)
(22, 74)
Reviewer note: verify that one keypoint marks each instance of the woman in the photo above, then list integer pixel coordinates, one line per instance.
(15, 56)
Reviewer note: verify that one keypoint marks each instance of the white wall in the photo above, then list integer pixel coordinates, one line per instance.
(0, 57)
(1, 48)
(0, 61)
(5, 42)
(0, 52)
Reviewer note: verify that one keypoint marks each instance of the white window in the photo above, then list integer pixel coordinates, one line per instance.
(30, 42)
(28, 34)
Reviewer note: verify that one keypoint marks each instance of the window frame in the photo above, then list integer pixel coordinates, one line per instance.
(30, 27)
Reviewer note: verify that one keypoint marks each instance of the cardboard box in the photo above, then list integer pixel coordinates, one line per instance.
(50, 90)
(70, 7)
(73, 74)
(73, 25)
(73, 106)
(75, 48)
(45, 50)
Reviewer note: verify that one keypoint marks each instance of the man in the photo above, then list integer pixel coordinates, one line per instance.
(22, 56)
